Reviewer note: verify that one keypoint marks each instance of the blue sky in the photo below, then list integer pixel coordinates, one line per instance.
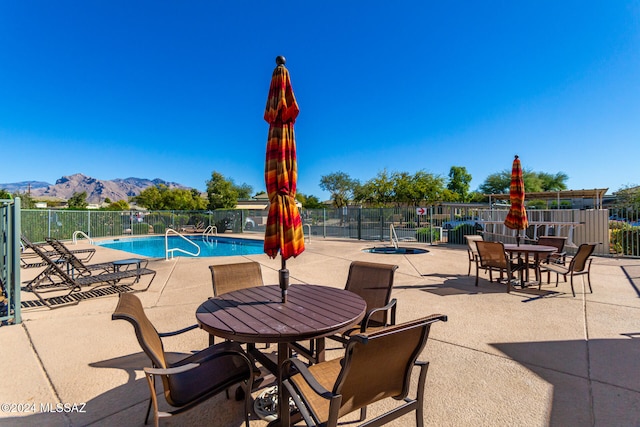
(176, 90)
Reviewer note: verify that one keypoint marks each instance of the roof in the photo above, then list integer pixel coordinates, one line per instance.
(596, 193)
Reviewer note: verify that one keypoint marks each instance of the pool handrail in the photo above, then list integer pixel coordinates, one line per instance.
(82, 233)
(211, 230)
(172, 250)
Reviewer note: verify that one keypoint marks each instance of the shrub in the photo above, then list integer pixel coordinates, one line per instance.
(456, 236)
(140, 228)
(159, 228)
(428, 235)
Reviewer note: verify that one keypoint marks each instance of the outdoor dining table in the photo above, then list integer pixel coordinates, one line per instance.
(258, 315)
(523, 251)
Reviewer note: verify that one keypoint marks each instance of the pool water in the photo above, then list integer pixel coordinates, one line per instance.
(212, 246)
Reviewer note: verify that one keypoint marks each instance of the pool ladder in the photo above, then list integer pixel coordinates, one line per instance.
(173, 250)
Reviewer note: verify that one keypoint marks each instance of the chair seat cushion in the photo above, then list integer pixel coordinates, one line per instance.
(208, 378)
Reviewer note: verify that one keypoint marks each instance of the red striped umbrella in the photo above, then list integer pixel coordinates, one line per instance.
(284, 226)
(517, 217)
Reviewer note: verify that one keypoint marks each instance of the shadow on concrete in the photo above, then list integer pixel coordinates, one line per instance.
(126, 404)
(465, 285)
(593, 381)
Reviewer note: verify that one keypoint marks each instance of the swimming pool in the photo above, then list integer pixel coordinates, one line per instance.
(212, 246)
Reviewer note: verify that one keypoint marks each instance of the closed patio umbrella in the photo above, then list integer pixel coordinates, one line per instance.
(284, 226)
(517, 217)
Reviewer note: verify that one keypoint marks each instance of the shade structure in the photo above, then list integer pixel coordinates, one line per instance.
(283, 233)
(517, 217)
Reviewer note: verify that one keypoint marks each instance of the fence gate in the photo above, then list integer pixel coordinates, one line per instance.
(10, 261)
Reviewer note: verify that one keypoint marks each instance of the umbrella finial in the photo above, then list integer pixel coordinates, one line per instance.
(280, 60)
(516, 157)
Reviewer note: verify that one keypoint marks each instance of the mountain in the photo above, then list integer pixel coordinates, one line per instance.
(24, 186)
(97, 189)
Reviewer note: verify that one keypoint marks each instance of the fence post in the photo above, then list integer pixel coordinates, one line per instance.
(10, 258)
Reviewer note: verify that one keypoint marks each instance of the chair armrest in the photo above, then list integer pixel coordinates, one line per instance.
(181, 331)
(308, 377)
(391, 306)
(171, 371)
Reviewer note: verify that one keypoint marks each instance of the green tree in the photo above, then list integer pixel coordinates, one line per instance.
(628, 196)
(161, 197)
(244, 190)
(120, 205)
(78, 201)
(221, 192)
(341, 186)
(459, 182)
(309, 202)
(150, 198)
(499, 183)
(26, 201)
(4, 194)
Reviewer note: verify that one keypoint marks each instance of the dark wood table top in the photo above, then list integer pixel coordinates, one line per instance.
(258, 315)
(528, 248)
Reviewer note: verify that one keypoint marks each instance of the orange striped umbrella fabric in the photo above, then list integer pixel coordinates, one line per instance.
(284, 226)
(517, 217)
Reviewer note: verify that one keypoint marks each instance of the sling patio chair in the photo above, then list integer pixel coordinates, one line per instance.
(579, 265)
(55, 279)
(373, 282)
(558, 257)
(232, 277)
(29, 258)
(375, 366)
(492, 257)
(193, 379)
(472, 250)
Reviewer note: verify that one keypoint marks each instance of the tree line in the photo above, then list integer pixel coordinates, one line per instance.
(383, 190)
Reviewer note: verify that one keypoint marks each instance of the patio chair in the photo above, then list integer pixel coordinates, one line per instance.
(373, 283)
(472, 250)
(375, 366)
(55, 279)
(232, 277)
(492, 257)
(558, 257)
(579, 265)
(193, 379)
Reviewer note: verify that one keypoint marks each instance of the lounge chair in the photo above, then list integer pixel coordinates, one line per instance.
(193, 379)
(30, 259)
(55, 279)
(375, 366)
(75, 264)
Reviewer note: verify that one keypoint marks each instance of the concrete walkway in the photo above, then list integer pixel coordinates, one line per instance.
(527, 358)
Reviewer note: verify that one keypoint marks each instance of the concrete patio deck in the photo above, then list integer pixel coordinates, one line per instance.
(527, 358)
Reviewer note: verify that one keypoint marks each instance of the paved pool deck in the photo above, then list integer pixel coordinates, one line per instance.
(528, 358)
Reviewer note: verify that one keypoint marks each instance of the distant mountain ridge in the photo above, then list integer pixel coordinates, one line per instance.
(97, 189)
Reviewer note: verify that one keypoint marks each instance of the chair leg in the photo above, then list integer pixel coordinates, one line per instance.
(572, 290)
(363, 413)
(477, 273)
(589, 281)
(154, 400)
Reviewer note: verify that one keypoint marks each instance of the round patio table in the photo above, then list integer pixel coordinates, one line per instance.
(526, 250)
(258, 315)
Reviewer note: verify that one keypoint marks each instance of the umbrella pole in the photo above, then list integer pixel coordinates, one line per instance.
(284, 280)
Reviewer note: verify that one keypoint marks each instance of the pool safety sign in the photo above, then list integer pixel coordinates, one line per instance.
(421, 211)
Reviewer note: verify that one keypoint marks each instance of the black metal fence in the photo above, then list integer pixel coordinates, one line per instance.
(617, 233)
